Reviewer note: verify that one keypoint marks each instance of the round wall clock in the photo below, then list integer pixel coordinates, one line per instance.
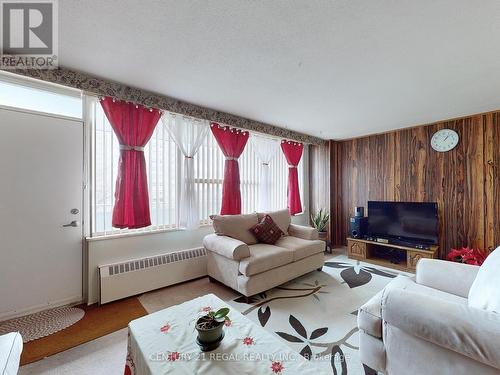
(444, 140)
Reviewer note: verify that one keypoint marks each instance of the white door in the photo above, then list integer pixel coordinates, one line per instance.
(41, 190)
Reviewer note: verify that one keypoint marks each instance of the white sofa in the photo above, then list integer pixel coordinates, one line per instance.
(11, 346)
(236, 259)
(445, 321)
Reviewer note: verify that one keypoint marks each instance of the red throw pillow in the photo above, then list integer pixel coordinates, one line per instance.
(267, 231)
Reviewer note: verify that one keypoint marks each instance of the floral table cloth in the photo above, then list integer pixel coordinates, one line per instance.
(164, 343)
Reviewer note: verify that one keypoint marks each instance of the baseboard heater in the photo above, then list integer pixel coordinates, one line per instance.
(131, 277)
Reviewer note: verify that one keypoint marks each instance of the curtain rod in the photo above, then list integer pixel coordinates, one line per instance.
(104, 87)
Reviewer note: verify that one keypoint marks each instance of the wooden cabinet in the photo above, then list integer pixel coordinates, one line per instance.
(366, 250)
(356, 249)
(414, 256)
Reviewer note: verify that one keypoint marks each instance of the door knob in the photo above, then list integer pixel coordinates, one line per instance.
(74, 223)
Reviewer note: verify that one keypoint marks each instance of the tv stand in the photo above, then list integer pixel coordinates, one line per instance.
(373, 252)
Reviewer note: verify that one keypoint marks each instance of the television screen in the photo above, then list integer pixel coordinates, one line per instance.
(407, 221)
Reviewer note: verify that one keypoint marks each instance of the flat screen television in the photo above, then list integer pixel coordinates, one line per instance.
(415, 222)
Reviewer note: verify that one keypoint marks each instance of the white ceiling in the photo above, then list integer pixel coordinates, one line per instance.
(333, 69)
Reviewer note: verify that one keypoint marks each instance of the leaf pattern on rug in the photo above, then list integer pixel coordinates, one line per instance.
(252, 299)
(288, 337)
(306, 351)
(320, 288)
(354, 279)
(338, 357)
(369, 370)
(264, 315)
(297, 326)
(318, 332)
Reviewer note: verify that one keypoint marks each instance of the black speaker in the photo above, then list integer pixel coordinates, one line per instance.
(359, 226)
(359, 211)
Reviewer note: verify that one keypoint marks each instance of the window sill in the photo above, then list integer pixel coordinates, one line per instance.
(125, 235)
(152, 232)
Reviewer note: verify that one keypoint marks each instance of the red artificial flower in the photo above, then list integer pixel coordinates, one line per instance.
(468, 256)
(165, 328)
(174, 356)
(480, 255)
(277, 367)
(248, 341)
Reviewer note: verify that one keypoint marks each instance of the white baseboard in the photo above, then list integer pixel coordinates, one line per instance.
(6, 315)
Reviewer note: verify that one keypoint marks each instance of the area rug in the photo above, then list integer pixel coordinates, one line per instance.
(43, 323)
(98, 321)
(316, 313)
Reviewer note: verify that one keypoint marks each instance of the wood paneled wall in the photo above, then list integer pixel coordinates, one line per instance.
(401, 166)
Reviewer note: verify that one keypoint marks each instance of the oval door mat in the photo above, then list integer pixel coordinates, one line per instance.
(43, 323)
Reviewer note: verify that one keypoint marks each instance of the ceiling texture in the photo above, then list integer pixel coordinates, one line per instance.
(333, 69)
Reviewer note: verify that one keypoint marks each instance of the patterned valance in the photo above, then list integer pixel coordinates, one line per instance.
(103, 87)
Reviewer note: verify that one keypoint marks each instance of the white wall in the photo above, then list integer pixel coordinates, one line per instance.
(106, 250)
(110, 250)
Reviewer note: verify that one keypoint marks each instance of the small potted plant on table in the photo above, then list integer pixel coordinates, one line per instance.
(319, 222)
(210, 329)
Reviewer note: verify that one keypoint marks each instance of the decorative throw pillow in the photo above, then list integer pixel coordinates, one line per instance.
(267, 231)
(484, 293)
(282, 219)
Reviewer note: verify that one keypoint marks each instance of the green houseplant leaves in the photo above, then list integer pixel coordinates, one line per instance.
(320, 219)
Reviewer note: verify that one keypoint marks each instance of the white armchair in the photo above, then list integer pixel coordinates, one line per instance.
(11, 346)
(429, 324)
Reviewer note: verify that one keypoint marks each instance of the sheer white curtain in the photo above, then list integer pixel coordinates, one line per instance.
(188, 134)
(265, 149)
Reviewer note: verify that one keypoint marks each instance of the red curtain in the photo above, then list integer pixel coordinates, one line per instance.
(232, 143)
(293, 153)
(133, 125)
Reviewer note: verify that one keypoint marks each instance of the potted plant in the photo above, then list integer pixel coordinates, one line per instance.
(209, 327)
(319, 222)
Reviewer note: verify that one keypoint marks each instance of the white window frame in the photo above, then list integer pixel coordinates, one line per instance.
(35, 84)
(207, 194)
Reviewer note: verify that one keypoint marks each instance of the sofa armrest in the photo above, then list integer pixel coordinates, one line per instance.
(449, 277)
(226, 246)
(11, 346)
(300, 231)
(471, 332)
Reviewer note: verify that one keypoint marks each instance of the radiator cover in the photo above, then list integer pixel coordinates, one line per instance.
(131, 277)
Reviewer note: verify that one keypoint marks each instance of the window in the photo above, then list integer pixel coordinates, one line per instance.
(40, 97)
(209, 174)
(164, 163)
(163, 169)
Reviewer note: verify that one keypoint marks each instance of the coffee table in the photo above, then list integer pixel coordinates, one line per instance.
(165, 343)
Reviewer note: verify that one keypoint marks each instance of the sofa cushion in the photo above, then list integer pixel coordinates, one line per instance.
(301, 248)
(236, 226)
(267, 231)
(369, 315)
(301, 231)
(282, 218)
(484, 293)
(264, 257)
